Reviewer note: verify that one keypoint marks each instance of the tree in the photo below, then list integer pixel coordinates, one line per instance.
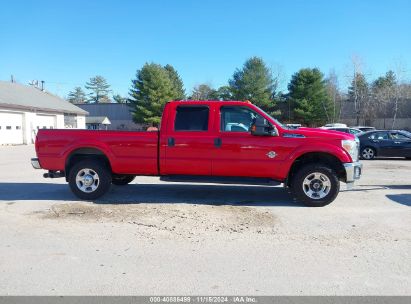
(150, 91)
(383, 92)
(99, 90)
(119, 99)
(308, 94)
(77, 96)
(335, 96)
(222, 93)
(203, 92)
(176, 81)
(358, 93)
(254, 82)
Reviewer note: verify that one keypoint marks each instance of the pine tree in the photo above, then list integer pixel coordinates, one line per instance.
(77, 96)
(150, 91)
(177, 82)
(99, 90)
(359, 94)
(308, 95)
(254, 82)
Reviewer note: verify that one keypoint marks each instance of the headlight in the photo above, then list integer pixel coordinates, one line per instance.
(352, 147)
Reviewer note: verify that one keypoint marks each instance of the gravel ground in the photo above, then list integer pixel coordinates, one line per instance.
(152, 237)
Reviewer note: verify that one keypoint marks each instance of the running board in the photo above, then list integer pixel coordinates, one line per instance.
(219, 180)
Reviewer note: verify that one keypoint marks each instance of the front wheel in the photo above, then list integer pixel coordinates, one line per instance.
(315, 185)
(367, 153)
(89, 179)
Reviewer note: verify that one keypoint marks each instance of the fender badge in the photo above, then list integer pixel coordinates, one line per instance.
(271, 154)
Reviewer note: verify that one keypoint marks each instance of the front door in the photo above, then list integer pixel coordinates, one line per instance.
(400, 145)
(239, 153)
(188, 141)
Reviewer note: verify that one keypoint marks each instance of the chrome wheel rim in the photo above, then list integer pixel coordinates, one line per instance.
(87, 180)
(316, 185)
(368, 153)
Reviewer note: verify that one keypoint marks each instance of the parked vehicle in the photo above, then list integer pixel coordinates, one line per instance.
(363, 128)
(229, 141)
(293, 125)
(345, 130)
(335, 125)
(385, 143)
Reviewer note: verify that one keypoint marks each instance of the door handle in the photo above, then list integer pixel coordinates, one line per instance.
(171, 142)
(217, 142)
(397, 142)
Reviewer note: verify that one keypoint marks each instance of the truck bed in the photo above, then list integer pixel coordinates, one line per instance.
(130, 152)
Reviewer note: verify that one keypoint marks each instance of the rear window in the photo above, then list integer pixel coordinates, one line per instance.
(191, 118)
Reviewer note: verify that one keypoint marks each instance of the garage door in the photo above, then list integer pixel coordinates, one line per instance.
(11, 128)
(45, 121)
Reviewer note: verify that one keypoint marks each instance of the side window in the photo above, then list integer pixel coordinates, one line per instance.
(191, 118)
(236, 119)
(398, 136)
(379, 135)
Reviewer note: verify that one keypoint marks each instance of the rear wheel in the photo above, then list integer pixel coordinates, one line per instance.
(89, 179)
(367, 153)
(315, 185)
(122, 180)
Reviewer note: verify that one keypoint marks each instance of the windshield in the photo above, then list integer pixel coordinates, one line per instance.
(406, 133)
(276, 121)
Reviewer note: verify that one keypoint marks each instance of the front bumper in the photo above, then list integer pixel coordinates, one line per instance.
(35, 163)
(353, 171)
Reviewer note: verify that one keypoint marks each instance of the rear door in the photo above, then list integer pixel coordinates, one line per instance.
(188, 140)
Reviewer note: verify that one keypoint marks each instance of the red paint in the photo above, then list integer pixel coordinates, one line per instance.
(194, 152)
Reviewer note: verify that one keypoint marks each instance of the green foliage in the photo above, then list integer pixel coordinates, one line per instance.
(119, 99)
(202, 92)
(359, 90)
(77, 96)
(222, 93)
(387, 81)
(309, 98)
(177, 82)
(150, 91)
(99, 90)
(254, 82)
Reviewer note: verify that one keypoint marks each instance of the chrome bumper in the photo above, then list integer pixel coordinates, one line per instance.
(35, 163)
(353, 171)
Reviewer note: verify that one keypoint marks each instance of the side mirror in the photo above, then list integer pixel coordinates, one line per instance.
(261, 127)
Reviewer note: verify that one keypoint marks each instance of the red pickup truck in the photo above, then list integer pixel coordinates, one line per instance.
(212, 141)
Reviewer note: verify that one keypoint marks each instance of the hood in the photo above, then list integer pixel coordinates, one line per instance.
(317, 133)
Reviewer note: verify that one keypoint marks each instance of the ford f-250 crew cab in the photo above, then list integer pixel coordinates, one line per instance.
(217, 141)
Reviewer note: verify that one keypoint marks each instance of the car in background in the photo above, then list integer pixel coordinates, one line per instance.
(364, 128)
(391, 143)
(344, 129)
(335, 125)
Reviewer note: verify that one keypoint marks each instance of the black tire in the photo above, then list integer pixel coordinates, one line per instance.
(327, 180)
(100, 183)
(122, 180)
(368, 153)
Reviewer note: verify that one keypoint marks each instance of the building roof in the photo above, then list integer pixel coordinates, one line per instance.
(98, 120)
(114, 111)
(15, 95)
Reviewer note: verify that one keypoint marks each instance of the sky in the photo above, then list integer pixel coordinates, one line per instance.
(65, 43)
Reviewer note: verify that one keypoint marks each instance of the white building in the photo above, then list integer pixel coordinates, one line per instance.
(25, 109)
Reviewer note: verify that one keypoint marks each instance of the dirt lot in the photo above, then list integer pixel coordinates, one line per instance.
(153, 237)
